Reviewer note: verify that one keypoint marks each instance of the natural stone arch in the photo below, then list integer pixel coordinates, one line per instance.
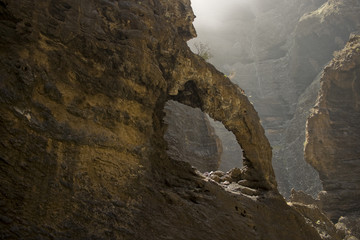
(193, 136)
(224, 101)
(192, 81)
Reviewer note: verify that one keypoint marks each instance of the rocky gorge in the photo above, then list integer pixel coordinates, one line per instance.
(282, 65)
(276, 53)
(83, 151)
(334, 122)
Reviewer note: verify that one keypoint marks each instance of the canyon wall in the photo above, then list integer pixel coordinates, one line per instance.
(317, 36)
(194, 137)
(276, 52)
(332, 134)
(82, 149)
(232, 154)
(191, 137)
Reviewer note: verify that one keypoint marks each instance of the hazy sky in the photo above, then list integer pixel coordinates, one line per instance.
(209, 13)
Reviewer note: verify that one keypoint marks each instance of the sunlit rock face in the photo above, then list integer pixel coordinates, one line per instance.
(276, 53)
(232, 154)
(317, 35)
(332, 133)
(310, 209)
(82, 149)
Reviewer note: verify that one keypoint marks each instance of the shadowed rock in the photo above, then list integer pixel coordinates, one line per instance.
(82, 149)
(191, 138)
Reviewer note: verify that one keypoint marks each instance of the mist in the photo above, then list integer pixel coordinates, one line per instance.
(212, 13)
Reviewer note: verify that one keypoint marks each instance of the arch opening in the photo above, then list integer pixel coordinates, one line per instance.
(194, 137)
(225, 102)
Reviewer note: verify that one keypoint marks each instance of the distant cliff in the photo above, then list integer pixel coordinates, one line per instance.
(195, 138)
(333, 131)
(318, 34)
(276, 51)
(191, 137)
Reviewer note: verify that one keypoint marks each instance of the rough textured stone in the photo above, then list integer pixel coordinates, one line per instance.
(311, 210)
(191, 137)
(275, 52)
(318, 220)
(349, 227)
(332, 133)
(194, 137)
(83, 155)
(302, 197)
(199, 86)
(255, 49)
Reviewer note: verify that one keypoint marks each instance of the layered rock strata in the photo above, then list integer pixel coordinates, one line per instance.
(275, 51)
(332, 133)
(310, 209)
(195, 138)
(254, 49)
(82, 149)
(347, 228)
(191, 137)
(318, 33)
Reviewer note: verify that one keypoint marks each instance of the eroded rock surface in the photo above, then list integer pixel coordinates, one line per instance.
(347, 228)
(275, 50)
(332, 137)
(191, 137)
(232, 154)
(83, 155)
(317, 35)
(195, 138)
(254, 48)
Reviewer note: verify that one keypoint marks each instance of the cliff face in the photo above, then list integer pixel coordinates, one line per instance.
(82, 149)
(276, 52)
(332, 133)
(317, 35)
(255, 49)
(232, 154)
(191, 137)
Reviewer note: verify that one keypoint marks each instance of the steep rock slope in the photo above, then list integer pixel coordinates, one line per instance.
(275, 52)
(333, 132)
(317, 35)
(83, 155)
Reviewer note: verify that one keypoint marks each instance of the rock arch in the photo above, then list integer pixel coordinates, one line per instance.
(199, 84)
